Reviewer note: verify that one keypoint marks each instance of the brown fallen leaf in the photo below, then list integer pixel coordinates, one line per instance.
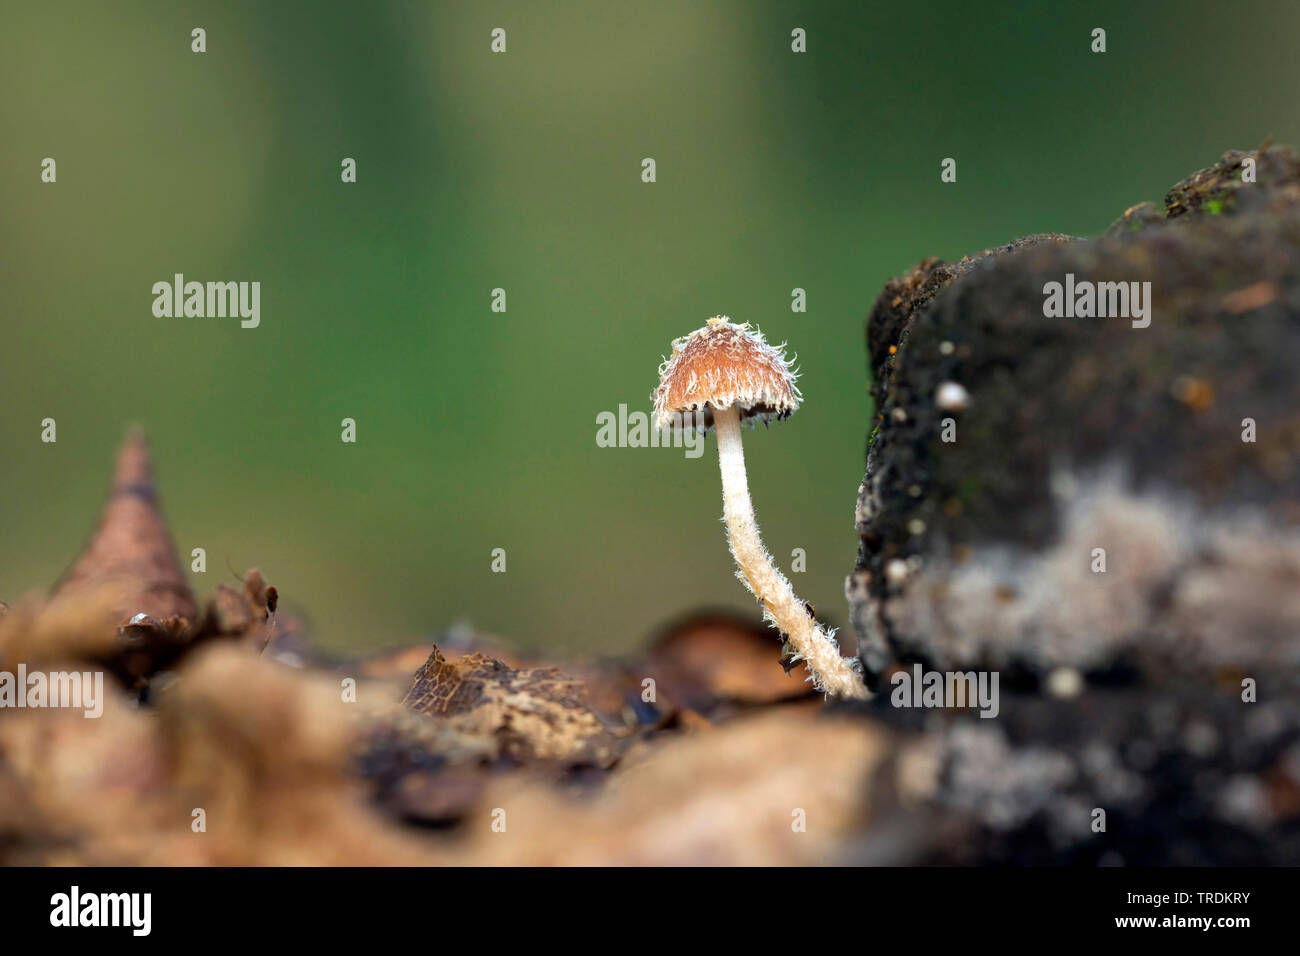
(780, 788)
(246, 613)
(129, 574)
(528, 714)
(712, 658)
(263, 750)
(82, 627)
(132, 549)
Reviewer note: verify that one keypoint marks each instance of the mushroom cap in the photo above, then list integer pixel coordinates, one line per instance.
(721, 365)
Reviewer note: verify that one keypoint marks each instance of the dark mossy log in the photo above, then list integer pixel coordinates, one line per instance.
(1108, 495)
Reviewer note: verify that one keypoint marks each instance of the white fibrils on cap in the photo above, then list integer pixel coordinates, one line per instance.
(721, 365)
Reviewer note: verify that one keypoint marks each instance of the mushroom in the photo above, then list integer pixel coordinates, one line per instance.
(724, 373)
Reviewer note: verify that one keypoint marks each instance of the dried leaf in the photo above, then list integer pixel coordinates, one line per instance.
(132, 550)
(718, 658)
(734, 796)
(264, 750)
(530, 714)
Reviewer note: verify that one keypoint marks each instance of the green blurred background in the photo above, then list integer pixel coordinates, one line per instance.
(477, 430)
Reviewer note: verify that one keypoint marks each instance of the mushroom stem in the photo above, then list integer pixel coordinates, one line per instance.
(831, 673)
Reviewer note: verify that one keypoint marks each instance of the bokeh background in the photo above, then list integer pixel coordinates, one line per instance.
(476, 430)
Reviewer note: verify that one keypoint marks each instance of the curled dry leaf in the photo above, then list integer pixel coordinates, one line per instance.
(529, 714)
(130, 563)
(132, 549)
(247, 614)
(124, 602)
(712, 658)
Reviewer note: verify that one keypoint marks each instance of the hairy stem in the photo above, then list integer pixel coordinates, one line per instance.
(830, 672)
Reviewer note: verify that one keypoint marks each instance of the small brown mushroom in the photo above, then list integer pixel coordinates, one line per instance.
(726, 372)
